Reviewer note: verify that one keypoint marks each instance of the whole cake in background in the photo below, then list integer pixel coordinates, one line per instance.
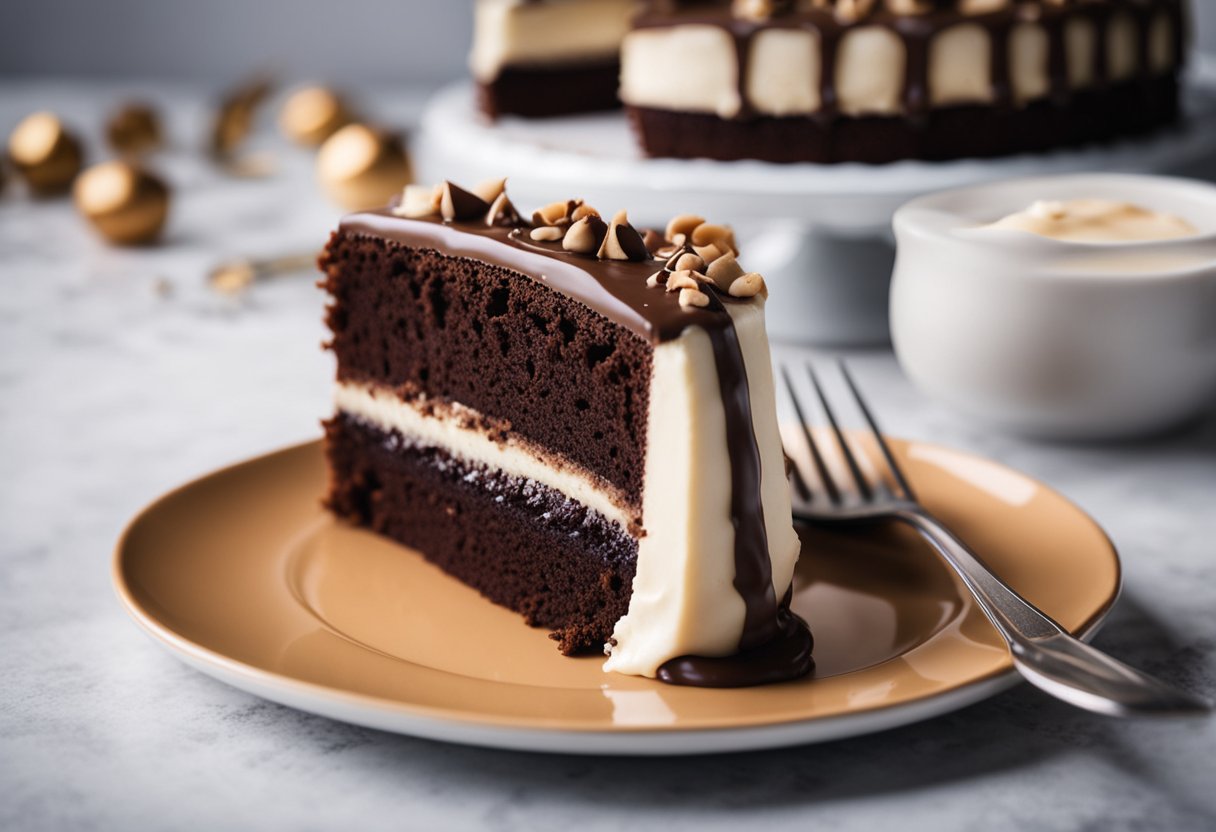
(537, 58)
(844, 80)
(881, 80)
(575, 418)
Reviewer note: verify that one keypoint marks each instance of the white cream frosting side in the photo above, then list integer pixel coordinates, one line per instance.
(1095, 220)
(684, 601)
(1028, 55)
(870, 71)
(512, 32)
(693, 67)
(783, 72)
(446, 426)
(1080, 40)
(960, 66)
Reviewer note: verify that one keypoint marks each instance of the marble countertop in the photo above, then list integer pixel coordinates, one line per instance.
(122, 375)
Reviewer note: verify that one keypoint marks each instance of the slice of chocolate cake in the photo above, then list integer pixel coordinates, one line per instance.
(574, 419)
(539, 58)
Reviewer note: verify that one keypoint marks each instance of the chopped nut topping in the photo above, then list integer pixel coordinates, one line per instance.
(747, 286)
(719, 235)
(653, 240)
(690, 262)
(657, 279)
(419, 201)
(723, 271)
(709, 253)
(760, 10)
(851, 10)
(502, 213)
(693, 297)
(682, 224)
(666, 252)
(682, 280)
(557, 213)
(491, 189)
(583, 211)
(676, 253)
(458, 204)
(622, 242)
(546, 234)
(585, 236)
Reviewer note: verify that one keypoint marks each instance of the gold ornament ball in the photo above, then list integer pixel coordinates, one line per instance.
(44, 153)
(313, 114)
(134, 129)
(234, 118)
(125, 203)
(363, 167)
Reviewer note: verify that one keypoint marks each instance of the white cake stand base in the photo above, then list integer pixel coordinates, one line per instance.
(818, 233)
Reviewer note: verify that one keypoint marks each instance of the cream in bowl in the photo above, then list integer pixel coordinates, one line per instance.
(1095, 221)
(1071, 307)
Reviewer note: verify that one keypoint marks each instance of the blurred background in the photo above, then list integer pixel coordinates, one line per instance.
(379, 42)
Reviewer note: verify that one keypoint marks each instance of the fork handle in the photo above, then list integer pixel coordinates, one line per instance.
(1045, 653)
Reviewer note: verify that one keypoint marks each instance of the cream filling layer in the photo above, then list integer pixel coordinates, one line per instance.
(684, 601)
(453, 428)
(694, 67)
(512, 32)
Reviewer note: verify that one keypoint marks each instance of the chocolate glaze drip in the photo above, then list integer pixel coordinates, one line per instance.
(785, 657)
(775, 644)
(917, 32)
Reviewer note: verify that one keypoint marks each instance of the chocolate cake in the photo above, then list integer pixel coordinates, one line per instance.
(538, 58)
(576, 419)
(882, 80)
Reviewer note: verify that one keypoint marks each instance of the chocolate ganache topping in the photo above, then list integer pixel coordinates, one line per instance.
(610, 267)
(917, 23)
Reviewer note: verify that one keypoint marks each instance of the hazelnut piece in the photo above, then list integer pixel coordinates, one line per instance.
(693, 298)
(585, 236)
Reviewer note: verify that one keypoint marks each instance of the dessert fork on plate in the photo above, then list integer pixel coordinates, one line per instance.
(1044, 653)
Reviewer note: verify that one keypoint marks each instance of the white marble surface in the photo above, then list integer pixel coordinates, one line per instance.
(113, 390)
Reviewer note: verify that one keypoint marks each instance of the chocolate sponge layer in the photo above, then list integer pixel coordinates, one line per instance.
(520, 544)
(554, 90)
(1123, 109)
(546, 367)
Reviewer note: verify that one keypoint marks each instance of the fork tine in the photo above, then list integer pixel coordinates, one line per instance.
(858, 478)
(821, 467)
(896, 471)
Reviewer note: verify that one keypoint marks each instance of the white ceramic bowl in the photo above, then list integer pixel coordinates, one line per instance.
(1053, 338)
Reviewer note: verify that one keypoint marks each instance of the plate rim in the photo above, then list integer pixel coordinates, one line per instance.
(424, 721)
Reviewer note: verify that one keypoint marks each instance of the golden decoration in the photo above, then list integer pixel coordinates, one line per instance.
(44, 153)
(234, 277)
(134, 129)
(233, 121)
(123, 201)
(313, 114)
(361, 166)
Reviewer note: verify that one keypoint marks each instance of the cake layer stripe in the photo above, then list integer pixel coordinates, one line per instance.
(461, 432)
(522, 545)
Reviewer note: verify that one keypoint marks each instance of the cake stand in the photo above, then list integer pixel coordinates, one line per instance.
(820, 234)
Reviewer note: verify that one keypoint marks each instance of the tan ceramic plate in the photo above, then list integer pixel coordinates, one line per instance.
(244, 577)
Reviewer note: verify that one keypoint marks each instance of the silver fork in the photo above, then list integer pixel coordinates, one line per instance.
(1043, 651)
